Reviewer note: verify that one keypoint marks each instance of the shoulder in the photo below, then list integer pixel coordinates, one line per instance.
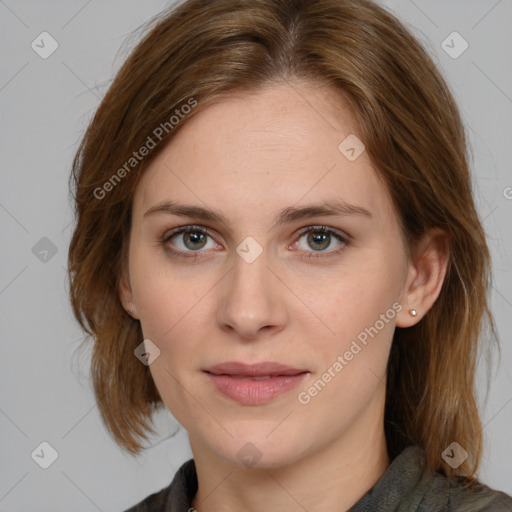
(154, 503)
(463, 496)
(409, 486)
(176, 497)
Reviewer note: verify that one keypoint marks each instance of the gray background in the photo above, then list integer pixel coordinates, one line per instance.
(45, 393)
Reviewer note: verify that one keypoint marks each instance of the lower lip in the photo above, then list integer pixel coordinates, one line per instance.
(255, 392)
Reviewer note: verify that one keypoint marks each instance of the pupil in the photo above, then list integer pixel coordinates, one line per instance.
(194, 238)
(322, 239)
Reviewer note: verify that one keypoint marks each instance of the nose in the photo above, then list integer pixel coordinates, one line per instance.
(252, 300)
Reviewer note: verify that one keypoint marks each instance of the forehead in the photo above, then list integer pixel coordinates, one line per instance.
(261, 151)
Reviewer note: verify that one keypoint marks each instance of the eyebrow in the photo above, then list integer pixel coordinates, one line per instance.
(285, 216)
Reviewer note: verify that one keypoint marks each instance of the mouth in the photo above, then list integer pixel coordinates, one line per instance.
(254, 384)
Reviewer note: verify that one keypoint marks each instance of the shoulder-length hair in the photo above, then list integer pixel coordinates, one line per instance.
(201, 51)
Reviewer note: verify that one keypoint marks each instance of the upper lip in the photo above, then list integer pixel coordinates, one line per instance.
(253, 370)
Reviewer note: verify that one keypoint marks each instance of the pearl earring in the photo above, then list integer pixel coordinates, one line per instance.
(413, 312)
(130, 308)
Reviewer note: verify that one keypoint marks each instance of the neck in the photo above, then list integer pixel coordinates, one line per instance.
(331, 479)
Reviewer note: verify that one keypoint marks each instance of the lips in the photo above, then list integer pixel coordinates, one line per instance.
(258, 370)
(254, 384)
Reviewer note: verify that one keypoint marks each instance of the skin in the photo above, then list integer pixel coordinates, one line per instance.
(248, 157)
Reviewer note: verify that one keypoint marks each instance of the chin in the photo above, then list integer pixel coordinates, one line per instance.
(255, 448)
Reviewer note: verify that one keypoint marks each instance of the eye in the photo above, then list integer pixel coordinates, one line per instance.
(189, 242)
(320, 238)
(188, 239)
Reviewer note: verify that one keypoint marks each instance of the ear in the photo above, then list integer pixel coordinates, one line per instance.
(126, 295)
(428, 263)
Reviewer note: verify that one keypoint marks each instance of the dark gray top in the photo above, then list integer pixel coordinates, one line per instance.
(406, 486)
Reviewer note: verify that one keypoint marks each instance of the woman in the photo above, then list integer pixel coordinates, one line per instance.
(276, 240)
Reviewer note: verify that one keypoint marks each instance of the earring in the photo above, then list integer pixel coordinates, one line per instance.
(130, 308)
(413, 312)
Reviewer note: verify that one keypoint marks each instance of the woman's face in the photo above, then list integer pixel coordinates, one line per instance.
(248, 285)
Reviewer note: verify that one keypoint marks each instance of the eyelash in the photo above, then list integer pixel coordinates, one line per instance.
(305, 231)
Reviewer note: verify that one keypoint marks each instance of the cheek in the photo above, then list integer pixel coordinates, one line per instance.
(166, 294)
(351, 364)
(355, 299)
(360, 308)
(173, 320)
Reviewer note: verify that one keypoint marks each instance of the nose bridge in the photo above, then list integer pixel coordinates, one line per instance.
(250, 299)
(250, 275)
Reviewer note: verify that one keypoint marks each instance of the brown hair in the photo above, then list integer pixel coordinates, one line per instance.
(413, 133)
